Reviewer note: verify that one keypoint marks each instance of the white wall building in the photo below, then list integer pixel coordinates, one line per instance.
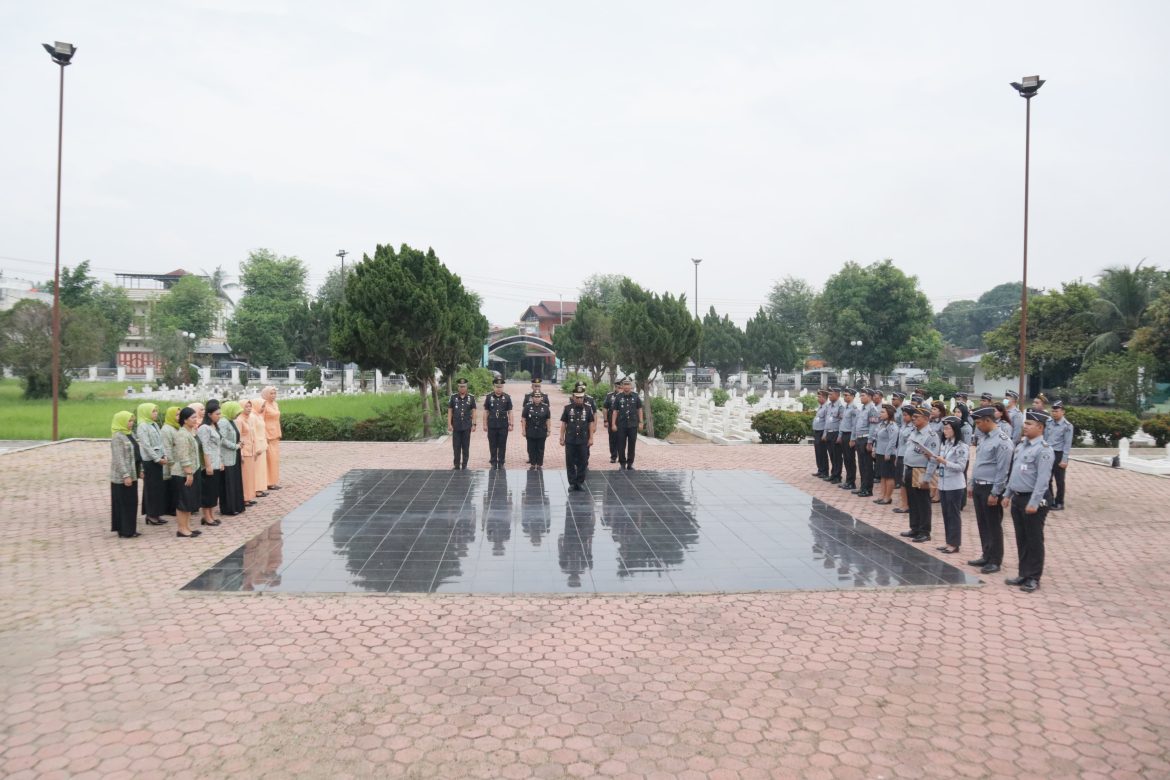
(14, 289)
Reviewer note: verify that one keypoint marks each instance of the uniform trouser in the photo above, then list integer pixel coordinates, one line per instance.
(536, 449)
(497, 444)
(951, 503)
(919, 505)
(820, 453)
(627, 443)
(848, 457)
(613, 442)
(989, 519)
(1029, 536)
(864, 464)
(834, 448)
(124, 508)
(576, 462)
(1058, 477)
(461, 447)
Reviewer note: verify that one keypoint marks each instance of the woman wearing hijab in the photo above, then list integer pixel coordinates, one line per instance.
(247, 452)
(947, 470)
(185, 472)
(231, 498)
(260, 444)
(271, 413)
(212, 484)
(150, 446)
(169, 428)
(123, 477)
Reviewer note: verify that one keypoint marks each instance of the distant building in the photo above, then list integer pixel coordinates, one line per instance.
(143, 290)
(14, 289)
(542, 319)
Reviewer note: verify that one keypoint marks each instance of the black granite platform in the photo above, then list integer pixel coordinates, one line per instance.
(519, 531)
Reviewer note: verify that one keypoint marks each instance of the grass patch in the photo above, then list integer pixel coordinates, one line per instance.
(91, 405)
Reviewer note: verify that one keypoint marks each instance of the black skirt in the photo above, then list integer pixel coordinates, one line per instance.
(124, 508)
(209, 488)
(898, 471)
(186, 498)
(171, 496)
(154, 492)
(886, 466)
(231, 497)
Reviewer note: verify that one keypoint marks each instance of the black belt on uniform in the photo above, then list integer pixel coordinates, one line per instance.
(981, 482)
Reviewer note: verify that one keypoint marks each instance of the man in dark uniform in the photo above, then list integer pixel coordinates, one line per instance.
(536, 390)
(833, 417)
(1027, 490)
(845, 439)
(627, 419)
(820, 448)
(989, 475)
(497, 419)
(461, 422)
(613, 436)
(577, 438)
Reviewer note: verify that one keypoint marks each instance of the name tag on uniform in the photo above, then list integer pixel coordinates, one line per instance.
(1024, 468)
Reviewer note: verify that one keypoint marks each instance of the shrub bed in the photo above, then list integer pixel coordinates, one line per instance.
(1106, 426)
(665, 416)
(780, 427)
(1158, 426)
(399, 419)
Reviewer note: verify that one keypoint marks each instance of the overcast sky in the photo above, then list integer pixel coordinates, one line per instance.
(532, 144)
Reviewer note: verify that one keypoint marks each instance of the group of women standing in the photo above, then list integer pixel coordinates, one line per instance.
(198, 458)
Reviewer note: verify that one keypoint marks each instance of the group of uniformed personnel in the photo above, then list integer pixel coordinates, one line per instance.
(1020, 461)
(623, 417)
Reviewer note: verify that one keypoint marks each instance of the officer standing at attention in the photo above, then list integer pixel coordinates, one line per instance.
(989, 475)
(1026, 490)
(1013, 415)
(845, 438)
(921, 447)
(461, 422)
(833, 417)
(627, 419)
(577, 438)
(534, 418)
(820, 453)
(876, 401)
(497, 419)
(1059, 435)
(860, 445)
(613, 437)
(536, 391)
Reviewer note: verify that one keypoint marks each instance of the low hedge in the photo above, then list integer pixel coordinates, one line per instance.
(780, 427)
(399, 420)
(665, 416)
(809, 402)
(1158, 426)
(1106, 426)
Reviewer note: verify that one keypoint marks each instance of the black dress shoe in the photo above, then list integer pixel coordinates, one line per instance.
(900, 510)
(865, 494)
(990, 568)
(921, 538)
(834, 480)
(1057, 508)
(847, 486)
(630, 467)
(1030, 585)
(1014, 581)
(908, 534)
(814, 474)
(977, 562)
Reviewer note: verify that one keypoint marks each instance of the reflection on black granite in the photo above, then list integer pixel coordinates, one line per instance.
(407, 531)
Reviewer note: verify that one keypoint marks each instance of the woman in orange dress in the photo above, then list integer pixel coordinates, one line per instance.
(247, 452)
(260, 447)
(271, 412)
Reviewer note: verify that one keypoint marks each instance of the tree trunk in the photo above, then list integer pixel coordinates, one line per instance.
(647, 407)
(435, 397)
(426, 412)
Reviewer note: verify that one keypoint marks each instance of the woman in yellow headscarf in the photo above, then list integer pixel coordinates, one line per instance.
(123, 477)
(168, 430)
(150, 447)
(231, 498)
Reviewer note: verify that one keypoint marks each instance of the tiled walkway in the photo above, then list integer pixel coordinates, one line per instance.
(107, 669)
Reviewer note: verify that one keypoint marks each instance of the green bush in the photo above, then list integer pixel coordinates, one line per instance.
(1106, 426)
(780, 427)
(720, 396)
(571, 380)
(752, 399)
(399, 419)
(312, 378)
(479, 380)
(343, 428)
(301, 427)
(937, 388)
(521, 376)
(1158, 426)
(809, 402)
(598, 392)
(665, 416)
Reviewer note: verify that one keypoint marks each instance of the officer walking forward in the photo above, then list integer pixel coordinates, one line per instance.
(627, 419)
(577, 437)
(461, 422)
(497, 419)
(989, 475)
(1027, 489)
(607, 405)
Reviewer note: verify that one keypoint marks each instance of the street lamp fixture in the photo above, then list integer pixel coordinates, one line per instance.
(1028, 86)
(342, 253)
(62, 54)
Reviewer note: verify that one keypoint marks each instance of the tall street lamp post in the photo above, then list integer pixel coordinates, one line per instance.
(1027, 87)
(342, 253)
(696, 261)
(61, 53)
(857, 345)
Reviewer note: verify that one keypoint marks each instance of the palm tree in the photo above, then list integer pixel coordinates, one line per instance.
(1123, 296)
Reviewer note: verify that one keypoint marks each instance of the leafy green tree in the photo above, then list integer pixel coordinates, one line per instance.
(1153, 338)
(657, 334)
(189, 305)
(769, 344)
(721, 342)
(77, 286)
(26, 345)
(270, 321)
(113, 312)
(587, 339)
(464, 330)
(1127, 376)
(1058, 334)
(790, 302)
(1123, 296)
(173, 351)
(603, 289)
(959, 325)
(392, 318)
(877, 305)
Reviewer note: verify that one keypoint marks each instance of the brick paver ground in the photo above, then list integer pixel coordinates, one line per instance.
(107, 670)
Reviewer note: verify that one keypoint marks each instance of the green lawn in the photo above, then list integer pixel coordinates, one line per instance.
(91, 406)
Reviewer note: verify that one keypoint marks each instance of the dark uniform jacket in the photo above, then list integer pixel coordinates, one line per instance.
(626, 406)
(497, 407)
(536, 417)
(462, 411)
(576, 420)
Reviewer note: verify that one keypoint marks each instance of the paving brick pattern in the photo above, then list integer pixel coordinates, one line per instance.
(108, 670)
